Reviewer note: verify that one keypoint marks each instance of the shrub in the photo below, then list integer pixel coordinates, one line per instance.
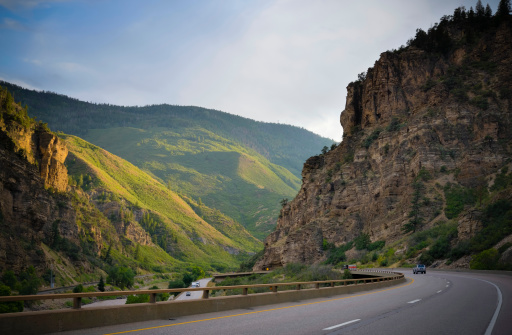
(11, 306)
(347, 274)
(394, 125)
(362, 241)
(377, 245)
(486, 260)
(78, 289)
(456, 197)
(461, 249)
(137, 299)
(426, 258)
(440, 248)
(370, 139)
(496, 220)
(9, 279)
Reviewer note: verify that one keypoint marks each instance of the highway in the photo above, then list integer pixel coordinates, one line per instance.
(435, 303)
(194, 294)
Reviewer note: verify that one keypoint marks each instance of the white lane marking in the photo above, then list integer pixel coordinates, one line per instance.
(495, 316)
(439, 291)
(414, 301)
(341, 324)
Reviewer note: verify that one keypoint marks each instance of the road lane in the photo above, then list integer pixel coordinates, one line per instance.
(446, 303)
(195, 294)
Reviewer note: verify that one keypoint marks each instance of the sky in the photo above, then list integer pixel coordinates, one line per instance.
(280, 61)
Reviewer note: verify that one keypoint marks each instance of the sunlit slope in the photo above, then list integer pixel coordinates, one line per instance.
(221, 173)
(194, 240)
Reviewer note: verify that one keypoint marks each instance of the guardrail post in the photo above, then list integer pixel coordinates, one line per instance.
(77, 302)
(332, 284)
(317, 285)
(206, 294)
(298, 287)
(152, 298)
(245, 290)
(274, 289)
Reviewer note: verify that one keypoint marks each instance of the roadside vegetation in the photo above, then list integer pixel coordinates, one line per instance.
(292, 272)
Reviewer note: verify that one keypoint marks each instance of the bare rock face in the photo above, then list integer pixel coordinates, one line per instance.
(405, 122)
(52, 152)
(27, 210)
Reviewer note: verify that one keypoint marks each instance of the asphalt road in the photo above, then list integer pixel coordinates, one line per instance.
(194, 294)
(434, 303)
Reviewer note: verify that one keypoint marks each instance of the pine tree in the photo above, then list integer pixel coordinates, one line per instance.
(504, 8)
(488, 11)
(480, 11)
(101, 285)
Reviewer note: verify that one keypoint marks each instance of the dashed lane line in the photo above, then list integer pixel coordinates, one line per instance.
(342, 324)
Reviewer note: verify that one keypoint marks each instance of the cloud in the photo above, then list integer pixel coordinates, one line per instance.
(16, 5)
(11, 24)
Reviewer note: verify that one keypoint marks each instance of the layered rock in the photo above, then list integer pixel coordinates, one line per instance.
(404, 121)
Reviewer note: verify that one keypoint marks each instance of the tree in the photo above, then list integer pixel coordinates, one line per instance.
(30, 282)
(197, 273)
(479, 8)
(101, 285)
(187, 279)
(488, 11)
(9, 279)
(325, 149)
(11, 306)
(504, 8)
(121, 276)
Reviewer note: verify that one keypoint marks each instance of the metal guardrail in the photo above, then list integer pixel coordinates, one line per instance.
(273, 287)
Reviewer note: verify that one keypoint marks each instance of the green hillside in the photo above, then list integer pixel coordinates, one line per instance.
(224, 175)
(171, 222)
(284, 145)
(238, 166)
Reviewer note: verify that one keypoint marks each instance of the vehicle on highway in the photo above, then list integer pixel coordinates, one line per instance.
(187, 294)
(196, 284)
(420, 268)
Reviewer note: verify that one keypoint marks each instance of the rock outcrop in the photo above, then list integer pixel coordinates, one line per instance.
(416, 115)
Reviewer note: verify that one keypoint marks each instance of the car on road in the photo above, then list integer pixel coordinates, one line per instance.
(196, 284)
(420, 268)
(187, 294)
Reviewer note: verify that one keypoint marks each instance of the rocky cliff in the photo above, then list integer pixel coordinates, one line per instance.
(419, 124)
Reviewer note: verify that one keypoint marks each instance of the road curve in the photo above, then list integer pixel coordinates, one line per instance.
(435, 303)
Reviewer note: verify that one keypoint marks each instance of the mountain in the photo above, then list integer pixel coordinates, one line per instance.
(423, 173)
(69, 205)
(238, 166)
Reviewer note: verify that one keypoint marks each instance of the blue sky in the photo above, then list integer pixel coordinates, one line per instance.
(286, 61)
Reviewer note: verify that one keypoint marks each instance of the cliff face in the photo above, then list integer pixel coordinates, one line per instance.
(27, 209)
(442, 120)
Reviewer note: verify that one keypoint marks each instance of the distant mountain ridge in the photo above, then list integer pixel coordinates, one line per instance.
(98, 211)
(281, 144)
(238, 166)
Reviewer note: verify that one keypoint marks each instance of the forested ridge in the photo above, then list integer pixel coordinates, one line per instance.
(285, 145)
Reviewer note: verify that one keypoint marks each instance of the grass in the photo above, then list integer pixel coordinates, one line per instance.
(200, 164)
(196, 240)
